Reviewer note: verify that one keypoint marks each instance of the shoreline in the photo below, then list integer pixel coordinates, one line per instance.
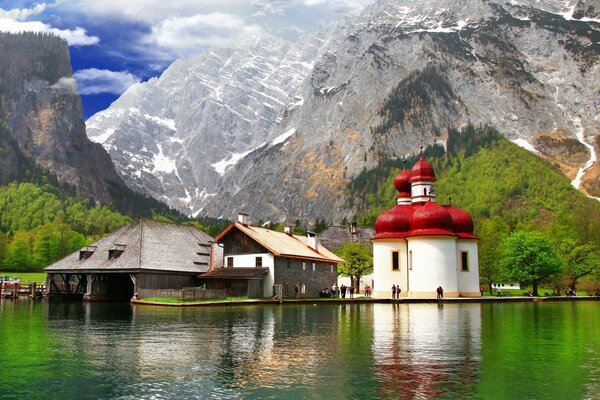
(362, 300)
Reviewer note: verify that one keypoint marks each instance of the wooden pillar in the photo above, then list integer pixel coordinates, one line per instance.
(135, 290)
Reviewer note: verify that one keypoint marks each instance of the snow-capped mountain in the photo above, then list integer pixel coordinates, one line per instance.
(404, 72)
(176, 136)
(279, 130)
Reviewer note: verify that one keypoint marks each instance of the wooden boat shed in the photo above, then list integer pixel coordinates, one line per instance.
(142, 256)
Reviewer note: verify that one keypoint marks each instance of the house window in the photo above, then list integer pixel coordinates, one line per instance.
(303, 265)
(464, 261)
(410, 263)
(314, 267)
(258, 262)
(395, 260)
(331, 269)
(229, 262)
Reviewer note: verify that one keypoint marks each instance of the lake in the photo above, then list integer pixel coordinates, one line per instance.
(76, 350)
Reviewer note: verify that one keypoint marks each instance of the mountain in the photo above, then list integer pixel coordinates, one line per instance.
(175, 137)
(403, 73)
(374, 88)
(42, 118)
(42, 131)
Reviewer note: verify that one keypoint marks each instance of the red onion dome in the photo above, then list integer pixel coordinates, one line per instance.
(402, 183)
(422, 171)
(463, 223)
(393, 223)
(431, 219)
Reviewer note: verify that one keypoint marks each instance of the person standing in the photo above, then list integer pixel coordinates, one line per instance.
(343, 291)
(297, 289)
(393, 292)
(351, 292)
(498, 291)
(439, 292)
(398, 291)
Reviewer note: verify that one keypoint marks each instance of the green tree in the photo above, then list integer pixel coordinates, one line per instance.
(579, 259)
(530, 258)
(492, 232)
(358, 259)
(18, 253)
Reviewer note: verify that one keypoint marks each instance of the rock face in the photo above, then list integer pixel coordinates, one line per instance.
(404, 72)
(221, 133)
(42, 117)
(176, 136)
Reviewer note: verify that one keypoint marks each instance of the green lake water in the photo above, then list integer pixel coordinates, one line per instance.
(75, 350)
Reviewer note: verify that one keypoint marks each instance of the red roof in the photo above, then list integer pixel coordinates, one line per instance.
(420, 219)
(422, 171)
(402, 183)
(394, 222)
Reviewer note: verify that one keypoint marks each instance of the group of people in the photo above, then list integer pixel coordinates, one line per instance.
(342, 291)
(368, 291)
(396, 290)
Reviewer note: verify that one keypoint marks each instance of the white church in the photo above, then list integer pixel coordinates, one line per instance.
(420, 245)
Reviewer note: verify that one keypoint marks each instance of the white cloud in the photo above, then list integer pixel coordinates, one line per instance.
(65, 84)
(185, 35)
(95, 81)
(75, 37)
(21, 14)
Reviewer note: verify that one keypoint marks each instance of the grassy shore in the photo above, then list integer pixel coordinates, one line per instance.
(27, 277)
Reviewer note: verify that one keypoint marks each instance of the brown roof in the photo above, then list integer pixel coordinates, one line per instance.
(148, 245)
(335, 236)
(284, 245)
(235, 273)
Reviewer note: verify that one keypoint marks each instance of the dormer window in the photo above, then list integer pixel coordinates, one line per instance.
(87, 252)
(115, 251)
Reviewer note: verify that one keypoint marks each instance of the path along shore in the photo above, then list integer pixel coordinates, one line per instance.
(371, 300)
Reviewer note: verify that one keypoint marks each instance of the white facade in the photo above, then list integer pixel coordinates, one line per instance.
(249, 260)
(424, 264)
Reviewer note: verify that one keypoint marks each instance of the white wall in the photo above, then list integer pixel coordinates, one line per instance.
(433, 265)
(383, 274)
(468, 282)
(249, 261)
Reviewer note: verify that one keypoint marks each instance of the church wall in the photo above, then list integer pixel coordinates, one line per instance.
(468, 282)
(383, 274)
(433, 265)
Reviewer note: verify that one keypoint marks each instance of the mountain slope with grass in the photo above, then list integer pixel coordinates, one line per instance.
(493, 179)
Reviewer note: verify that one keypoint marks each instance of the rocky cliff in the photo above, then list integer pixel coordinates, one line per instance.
(403, 73)
(280, 130)
(177, 136)
(42, 119)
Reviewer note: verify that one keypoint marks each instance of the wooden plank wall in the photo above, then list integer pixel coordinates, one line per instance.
(182, 294)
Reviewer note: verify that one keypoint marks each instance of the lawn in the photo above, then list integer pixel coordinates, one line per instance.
(28, 277)
(161, 300)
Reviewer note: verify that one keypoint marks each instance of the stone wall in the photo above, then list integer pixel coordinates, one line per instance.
(288, 271)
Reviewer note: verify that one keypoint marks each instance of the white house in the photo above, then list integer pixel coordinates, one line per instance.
(420, 245)
(257, 259)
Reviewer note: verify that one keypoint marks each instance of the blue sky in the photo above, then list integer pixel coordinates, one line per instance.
(115, 43)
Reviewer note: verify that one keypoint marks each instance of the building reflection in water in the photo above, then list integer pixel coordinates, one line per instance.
(427, 351)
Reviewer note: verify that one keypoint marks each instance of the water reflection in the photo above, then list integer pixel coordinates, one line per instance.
(367, 351)
(425, 351)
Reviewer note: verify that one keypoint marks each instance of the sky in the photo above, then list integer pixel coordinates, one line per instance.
(116, 43)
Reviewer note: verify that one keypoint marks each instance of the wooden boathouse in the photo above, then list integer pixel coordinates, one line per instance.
(133, 261)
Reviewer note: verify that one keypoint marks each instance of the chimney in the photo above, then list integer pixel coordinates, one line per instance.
(243, 218)
(353, 228)
(312, 241)
(287, 230)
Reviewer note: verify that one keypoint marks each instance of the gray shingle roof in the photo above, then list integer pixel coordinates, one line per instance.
(149, 245)
(335, 236)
